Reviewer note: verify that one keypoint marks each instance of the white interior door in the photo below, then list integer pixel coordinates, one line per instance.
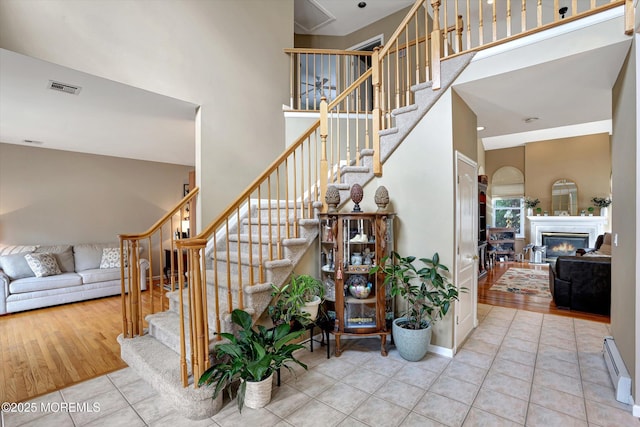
(466, 267)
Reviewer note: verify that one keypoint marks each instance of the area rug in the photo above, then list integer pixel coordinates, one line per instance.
(524, 281)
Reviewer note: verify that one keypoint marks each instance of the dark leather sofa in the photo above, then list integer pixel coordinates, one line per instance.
(582, 283)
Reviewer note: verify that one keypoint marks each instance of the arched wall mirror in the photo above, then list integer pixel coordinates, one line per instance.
(564, 197)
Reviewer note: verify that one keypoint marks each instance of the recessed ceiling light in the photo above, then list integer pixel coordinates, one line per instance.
(479, 128)
(531, 119)
(489, 1)
(362, 5)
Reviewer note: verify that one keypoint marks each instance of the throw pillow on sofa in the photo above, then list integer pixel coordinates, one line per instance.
(15, 266)
(110, 258)
(43, 264)
(63, 255)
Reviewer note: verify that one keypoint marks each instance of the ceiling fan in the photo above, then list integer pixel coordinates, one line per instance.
(318, 87)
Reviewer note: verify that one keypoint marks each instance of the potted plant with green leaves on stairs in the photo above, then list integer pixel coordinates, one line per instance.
(296, 302)
(427, 294)
(251, 357)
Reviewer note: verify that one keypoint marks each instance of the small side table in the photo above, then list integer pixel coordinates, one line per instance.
(324, 324)
(167, 262)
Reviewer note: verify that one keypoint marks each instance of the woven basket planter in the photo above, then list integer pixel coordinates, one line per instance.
(258, 394)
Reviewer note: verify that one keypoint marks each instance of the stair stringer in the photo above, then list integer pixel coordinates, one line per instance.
(407, 118)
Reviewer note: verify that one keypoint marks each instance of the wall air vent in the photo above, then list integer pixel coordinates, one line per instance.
(64, 87)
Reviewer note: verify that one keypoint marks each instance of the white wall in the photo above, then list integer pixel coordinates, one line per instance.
(419, 176)
(226, 56)
(55, 197)
(625, 268)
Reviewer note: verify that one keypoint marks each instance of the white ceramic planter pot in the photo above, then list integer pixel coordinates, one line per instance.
(312, 307)
(412, 344)
(604, 211)
(258, 394)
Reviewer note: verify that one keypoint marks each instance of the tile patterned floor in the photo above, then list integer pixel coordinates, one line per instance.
(518, 368)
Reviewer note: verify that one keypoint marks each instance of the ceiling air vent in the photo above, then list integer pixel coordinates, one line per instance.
(309, 15)
(64, 87)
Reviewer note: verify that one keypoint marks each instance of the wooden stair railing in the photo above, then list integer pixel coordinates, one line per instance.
(153, 243)
(322, 72)
(434, 30)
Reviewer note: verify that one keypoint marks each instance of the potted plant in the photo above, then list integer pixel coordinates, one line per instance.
(603, 203)
(538, 211)
(428, 295)
(297, 301)
(530, 204)
(251, 357)
(590, 209)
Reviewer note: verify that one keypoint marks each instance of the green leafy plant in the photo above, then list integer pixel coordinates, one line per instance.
(590, 209)
(601, 202)
(427, 291)
(539, 210)
(531, 203)
(253, 355)
(287, 303)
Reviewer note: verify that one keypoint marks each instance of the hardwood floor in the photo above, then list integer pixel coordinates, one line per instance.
(524, 302)
(51, 348)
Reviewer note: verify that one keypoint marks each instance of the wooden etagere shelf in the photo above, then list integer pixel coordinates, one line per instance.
(502, 242)
(350, 245)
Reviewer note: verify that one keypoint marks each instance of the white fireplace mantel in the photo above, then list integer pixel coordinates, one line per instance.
(594, 225)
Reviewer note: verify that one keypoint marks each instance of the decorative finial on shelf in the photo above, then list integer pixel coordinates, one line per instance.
(356, 196)
(381, 198)
(332, 198)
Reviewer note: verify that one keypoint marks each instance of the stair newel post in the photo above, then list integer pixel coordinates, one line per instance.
(200, 301)
(629, 17)
(126, 320)
(184, 375)
(324, 166)
(375, 124)
(459, 29)
(134, 288)
(436, 45)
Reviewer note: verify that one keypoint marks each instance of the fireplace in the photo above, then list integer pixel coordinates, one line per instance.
(559, 244)
(592, 225)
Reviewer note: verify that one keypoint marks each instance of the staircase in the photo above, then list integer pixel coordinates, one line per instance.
(261, 237)
(155, 356)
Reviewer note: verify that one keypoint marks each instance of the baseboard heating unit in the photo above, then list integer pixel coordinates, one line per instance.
(618, 371)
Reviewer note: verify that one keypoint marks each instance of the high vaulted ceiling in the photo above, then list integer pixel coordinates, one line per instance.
(341, 17)
(110, 118)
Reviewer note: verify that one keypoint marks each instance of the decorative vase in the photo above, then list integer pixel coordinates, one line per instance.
(311, 307)
(356, 258)
(356, 196)
(412, 344)
(332, 198)
(529, 211)
(381, 198)
(604, 211)
(358, 286)
(258, 393)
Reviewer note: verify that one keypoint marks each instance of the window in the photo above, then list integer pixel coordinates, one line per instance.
(509, 212)
(507, 201)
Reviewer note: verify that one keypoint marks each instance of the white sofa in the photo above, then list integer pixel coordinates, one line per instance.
(81, 277)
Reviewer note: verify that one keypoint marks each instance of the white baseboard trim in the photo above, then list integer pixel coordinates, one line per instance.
(442, 351)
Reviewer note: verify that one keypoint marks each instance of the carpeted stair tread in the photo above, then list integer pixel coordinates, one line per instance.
(160, 367)
(165, 327)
